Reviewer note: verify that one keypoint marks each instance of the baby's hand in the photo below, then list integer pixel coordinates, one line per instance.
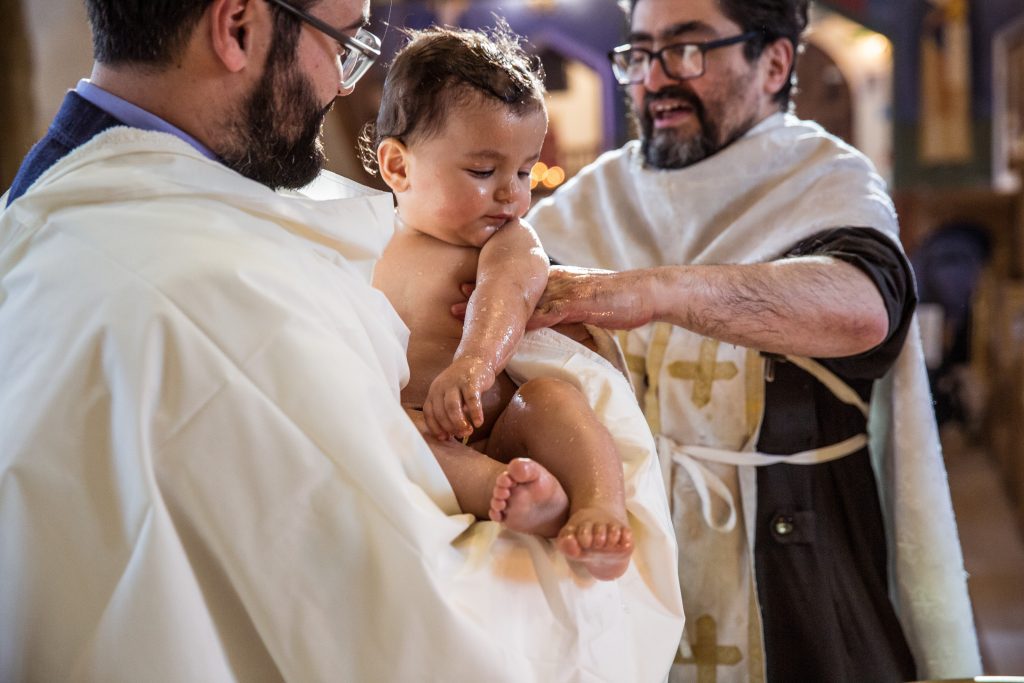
(454, 396)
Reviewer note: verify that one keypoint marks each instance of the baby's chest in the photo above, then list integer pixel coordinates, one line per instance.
(428, 280)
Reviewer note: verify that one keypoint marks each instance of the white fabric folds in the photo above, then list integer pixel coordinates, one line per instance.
(205, 473)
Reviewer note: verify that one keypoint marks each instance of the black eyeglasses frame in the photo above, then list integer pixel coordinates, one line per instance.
(623, 79)
(369, 52)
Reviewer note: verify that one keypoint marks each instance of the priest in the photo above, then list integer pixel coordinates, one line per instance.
(755, 262)
(206, 474)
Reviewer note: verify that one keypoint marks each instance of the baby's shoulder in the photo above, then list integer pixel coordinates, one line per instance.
(414, 257)
(415, 246)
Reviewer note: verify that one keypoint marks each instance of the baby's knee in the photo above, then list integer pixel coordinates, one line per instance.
(548, 391)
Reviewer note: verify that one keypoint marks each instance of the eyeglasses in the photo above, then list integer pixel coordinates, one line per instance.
(680, 61)
(360, 50)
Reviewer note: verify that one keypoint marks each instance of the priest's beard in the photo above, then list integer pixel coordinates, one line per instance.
(666, 147)
(276, 139)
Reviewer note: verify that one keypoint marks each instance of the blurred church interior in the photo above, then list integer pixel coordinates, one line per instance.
(931, 90)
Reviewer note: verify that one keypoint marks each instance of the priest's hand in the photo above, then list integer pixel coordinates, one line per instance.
(458, 309)
(615, 301)
(454, 406)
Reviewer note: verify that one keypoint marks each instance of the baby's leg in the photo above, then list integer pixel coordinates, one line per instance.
(472, 474)
(551, 422)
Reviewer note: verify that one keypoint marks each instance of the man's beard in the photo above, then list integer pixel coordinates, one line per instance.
(663, 148)
(276, 140)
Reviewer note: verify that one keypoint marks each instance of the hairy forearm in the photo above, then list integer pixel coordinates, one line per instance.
(809, 306)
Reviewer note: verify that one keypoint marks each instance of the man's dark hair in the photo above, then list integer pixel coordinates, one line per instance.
(155, 32)
(772, 20)
(443, 67)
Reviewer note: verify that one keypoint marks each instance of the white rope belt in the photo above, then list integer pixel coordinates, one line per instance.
(706, 482)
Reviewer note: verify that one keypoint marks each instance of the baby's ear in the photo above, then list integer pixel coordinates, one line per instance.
(394, 167)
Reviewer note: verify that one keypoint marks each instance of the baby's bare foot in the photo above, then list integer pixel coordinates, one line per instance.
(598, 539)
(529, 499)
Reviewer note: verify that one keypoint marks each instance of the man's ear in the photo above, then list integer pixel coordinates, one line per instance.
(233, 26)
(393, 161)
(777, 60)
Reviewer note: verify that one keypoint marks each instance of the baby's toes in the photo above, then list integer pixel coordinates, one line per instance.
(585, 536)
(600, 534)
(568, 543)
(503, 485)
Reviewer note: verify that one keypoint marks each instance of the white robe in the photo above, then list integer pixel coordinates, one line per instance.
(783, 181)
(205, 473)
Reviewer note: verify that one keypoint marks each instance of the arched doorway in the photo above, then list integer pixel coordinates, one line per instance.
(823, 93)
(853, 64)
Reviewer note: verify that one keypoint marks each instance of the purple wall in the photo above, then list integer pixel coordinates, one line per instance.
(584, 31)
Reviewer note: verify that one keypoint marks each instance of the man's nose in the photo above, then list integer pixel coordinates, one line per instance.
(655, 79)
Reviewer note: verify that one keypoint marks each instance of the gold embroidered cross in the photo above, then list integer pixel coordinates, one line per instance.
(707, 653)
(635, 364)
(704, 372)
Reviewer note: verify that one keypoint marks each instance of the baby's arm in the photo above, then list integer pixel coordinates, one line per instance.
(511, 276)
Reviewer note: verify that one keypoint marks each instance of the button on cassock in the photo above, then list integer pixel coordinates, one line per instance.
(793, 527)
(783, 525)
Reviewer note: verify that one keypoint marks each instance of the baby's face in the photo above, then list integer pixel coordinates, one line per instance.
(473, 176)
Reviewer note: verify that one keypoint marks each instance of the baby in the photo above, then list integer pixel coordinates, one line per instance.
(460, 127)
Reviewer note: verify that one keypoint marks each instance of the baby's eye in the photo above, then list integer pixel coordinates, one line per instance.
(524, 174)
(481, 173)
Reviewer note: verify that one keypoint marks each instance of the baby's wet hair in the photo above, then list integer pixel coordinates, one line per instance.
(441, 68)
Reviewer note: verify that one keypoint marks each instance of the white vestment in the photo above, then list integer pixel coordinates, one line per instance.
(205, 472)
(785, 180)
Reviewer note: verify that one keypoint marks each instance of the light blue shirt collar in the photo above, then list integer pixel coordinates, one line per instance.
(134, 116)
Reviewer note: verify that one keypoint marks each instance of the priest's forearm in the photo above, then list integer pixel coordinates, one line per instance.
(809, 306)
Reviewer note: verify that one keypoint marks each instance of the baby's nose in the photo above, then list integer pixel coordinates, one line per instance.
(511, 191)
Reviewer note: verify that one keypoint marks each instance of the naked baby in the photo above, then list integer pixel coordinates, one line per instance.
(461, 125)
